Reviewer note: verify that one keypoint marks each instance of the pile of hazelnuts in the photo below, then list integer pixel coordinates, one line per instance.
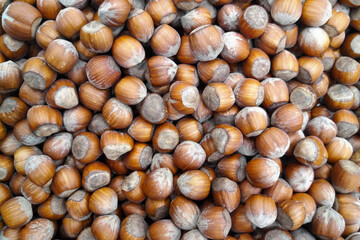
(179, 119)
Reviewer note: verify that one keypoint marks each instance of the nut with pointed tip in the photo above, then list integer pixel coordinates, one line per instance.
(114, 144)
(130, 90)
(236, 47)
(287, 117)
(323, 128)
(190, 130)
(228, 17)
(163, 160)
(58, 146)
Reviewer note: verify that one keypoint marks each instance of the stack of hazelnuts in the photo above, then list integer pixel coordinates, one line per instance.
(179, 119)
